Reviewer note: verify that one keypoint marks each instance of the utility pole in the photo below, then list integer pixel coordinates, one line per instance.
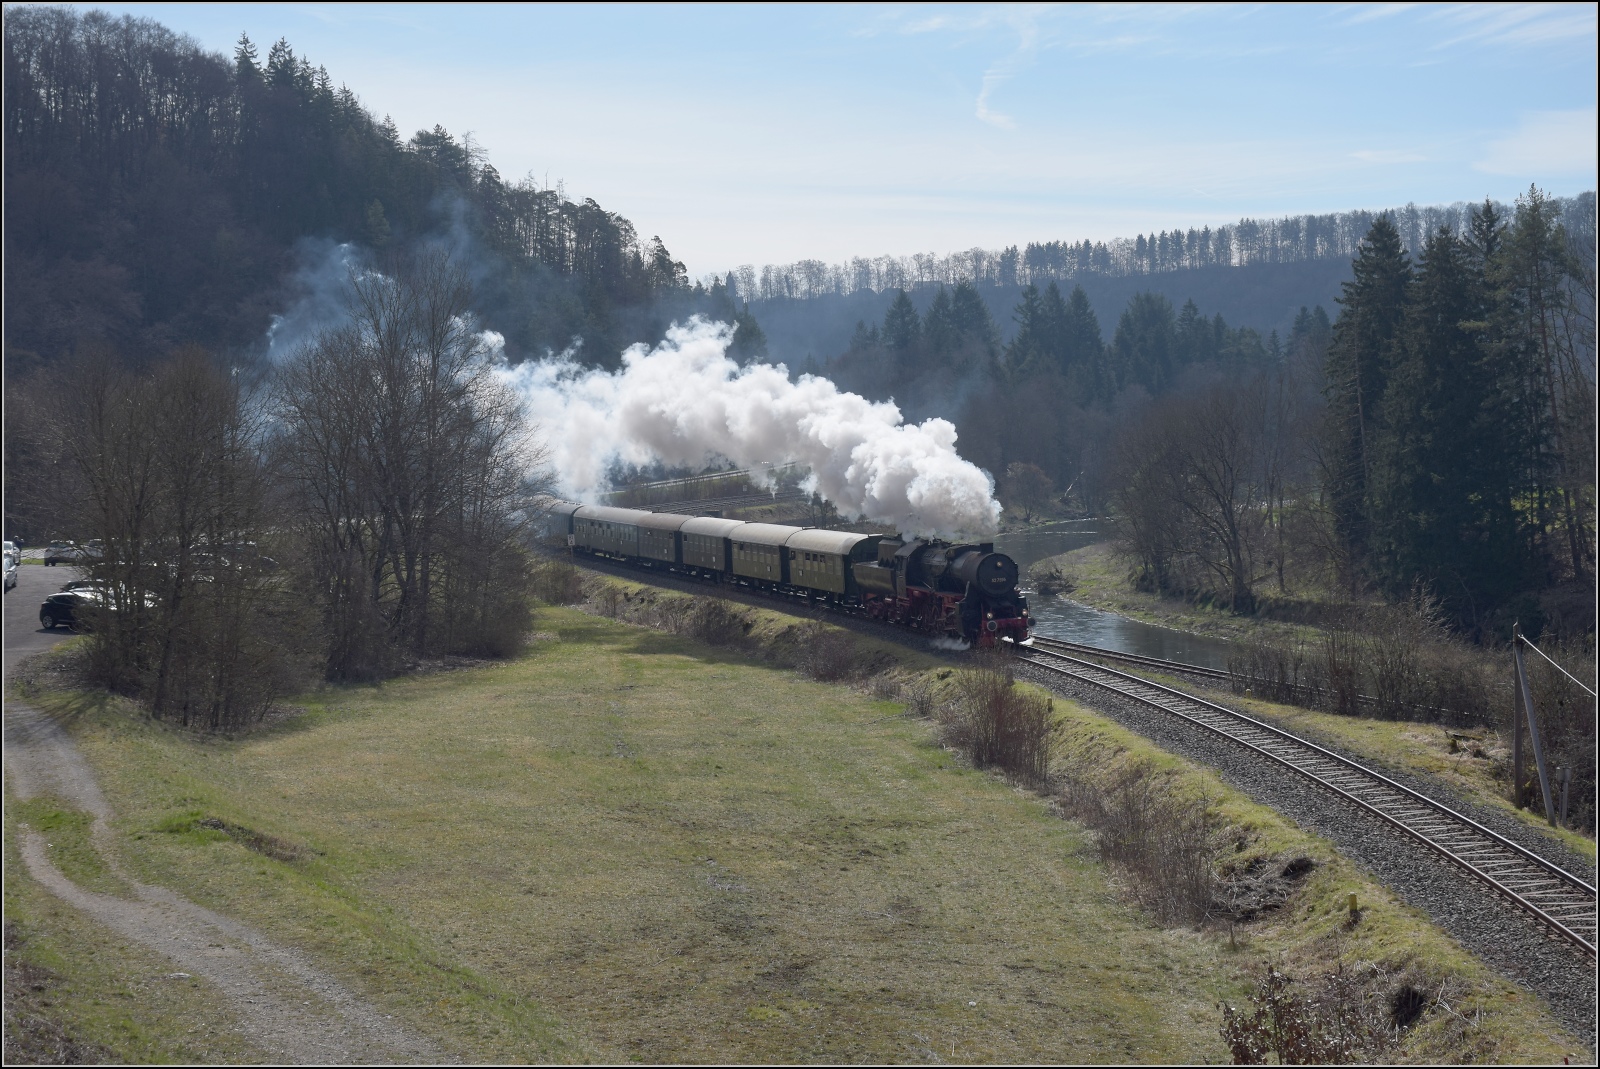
(1526, 695)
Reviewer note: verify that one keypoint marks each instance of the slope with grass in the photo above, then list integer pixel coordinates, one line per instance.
(631, 845)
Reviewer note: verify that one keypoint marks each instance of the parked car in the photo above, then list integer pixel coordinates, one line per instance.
(13, 554)
(11, 572)
(72, 552)
(66, 607)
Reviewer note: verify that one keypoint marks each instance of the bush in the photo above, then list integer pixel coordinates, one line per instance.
(1566, 717)
(1000, 726)
(824, 653)
(1339, 1018)
(716, 622)
(1396, 662)
(1164, 841)
(557, 581)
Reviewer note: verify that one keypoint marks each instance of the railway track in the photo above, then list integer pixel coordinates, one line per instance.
(1558, 901)
(1170, 667)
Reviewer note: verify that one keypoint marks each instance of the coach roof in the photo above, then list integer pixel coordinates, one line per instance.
(710, 525)
(813, 540)
(607, 514)
(662, 521)
(764, 534)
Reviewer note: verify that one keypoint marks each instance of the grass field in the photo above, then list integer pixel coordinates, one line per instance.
(627, 845)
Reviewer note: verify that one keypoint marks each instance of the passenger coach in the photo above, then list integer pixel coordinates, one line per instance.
(968, 591)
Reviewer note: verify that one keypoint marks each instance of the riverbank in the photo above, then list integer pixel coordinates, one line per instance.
(1097, 576)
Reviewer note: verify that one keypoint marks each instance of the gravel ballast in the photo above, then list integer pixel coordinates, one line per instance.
(1502, 936)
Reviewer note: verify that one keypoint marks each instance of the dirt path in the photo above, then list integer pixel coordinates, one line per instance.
(292, 1010)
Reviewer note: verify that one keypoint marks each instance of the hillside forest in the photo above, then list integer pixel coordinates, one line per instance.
(1419, 426)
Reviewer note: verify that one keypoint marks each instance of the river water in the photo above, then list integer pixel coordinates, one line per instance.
(1060, 617)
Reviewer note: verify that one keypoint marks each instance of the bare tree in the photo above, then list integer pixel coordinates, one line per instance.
(188, 616)
(411, 472)
(1201, 481)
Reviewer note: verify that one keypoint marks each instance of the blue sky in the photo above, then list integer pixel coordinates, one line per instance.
(768, 134)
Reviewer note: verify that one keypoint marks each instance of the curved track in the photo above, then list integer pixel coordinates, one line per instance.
(1559, 901)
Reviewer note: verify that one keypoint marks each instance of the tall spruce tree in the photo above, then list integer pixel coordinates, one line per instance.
(1083, 350)
(1030, 349)
(1443, 470)
(1144, 343)
(1372, 311)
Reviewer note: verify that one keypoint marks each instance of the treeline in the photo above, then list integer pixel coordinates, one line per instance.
(360, 509)
(1290, 239)
(155, 192)
(1460, 439)
(1057, 346)
(1436, 446)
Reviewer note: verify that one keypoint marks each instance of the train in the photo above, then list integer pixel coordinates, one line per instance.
(955, 590)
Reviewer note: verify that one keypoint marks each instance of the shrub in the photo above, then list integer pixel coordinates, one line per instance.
(1339, 1018)
(557, 581)
(1164, 841)
(824, 653)
(1000, 726)
(716, 622)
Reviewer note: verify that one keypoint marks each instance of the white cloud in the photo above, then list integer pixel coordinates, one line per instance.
(1516, 25)
(1547, 144)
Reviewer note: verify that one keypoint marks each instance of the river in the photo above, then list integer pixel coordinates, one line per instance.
(1061, 617)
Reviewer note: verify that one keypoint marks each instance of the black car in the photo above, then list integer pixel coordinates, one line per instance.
(65, 606)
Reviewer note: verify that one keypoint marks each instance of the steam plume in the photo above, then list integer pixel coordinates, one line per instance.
(686, 402)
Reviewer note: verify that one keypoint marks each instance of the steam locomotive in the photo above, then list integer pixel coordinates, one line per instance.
(963, 591)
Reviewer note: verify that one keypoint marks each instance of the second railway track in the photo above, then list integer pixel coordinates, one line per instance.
(1563, 904)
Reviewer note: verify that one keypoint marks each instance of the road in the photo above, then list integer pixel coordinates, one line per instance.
(23, 635)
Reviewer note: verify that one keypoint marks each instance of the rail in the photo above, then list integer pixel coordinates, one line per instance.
(1563, 903)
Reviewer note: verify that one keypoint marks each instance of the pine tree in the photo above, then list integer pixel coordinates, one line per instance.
(1441, 496)
(1372, 310)
(1144, 342)
(1030, 348)
(1555, 385)
(244, 60)
(939, 335)
(1083, 350)
(902, 327)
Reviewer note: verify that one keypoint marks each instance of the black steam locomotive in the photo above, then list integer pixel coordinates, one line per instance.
(961, 591)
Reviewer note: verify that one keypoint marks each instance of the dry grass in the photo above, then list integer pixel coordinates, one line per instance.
(631, 845)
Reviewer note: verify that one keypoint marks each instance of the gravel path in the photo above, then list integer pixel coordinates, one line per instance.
(292, 1010)
(1498, 934)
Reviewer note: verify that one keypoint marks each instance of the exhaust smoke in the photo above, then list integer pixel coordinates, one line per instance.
(686, 403)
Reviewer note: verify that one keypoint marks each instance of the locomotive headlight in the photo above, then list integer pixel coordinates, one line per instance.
(988, 616)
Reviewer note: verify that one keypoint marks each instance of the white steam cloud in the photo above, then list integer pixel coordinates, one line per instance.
(685, 403)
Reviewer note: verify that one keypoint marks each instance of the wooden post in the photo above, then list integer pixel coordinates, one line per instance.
(1533, 725)
(1566, 791)
(1516, 724)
